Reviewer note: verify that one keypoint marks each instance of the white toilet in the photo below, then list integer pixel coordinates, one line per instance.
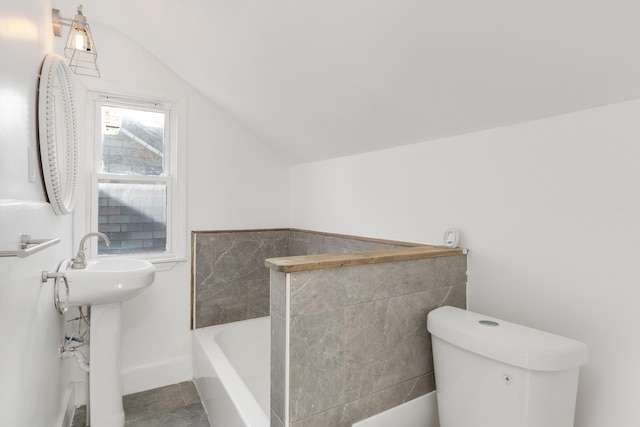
(492, 373)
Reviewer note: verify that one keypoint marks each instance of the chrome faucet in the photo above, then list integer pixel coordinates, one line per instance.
(80, 260)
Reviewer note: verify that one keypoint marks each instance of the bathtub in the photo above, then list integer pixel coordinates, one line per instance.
(231, 365)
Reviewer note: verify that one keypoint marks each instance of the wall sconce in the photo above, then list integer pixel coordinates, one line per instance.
(79, 48)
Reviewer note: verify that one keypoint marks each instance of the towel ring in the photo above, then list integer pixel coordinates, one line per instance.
(62, 308)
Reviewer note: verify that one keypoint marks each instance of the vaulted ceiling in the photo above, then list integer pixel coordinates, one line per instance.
(318, 79)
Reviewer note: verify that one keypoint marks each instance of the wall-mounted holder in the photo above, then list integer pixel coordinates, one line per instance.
(25, 250)
(61, 306)
(451, 238)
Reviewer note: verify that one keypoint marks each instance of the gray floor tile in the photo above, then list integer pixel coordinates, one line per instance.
(143, 404)
(176, 405)
(186, 416)
(189, 393)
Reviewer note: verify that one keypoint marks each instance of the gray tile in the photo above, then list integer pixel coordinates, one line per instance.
(207, 292)
(344, 244)
(203, 258)
(224, 258)
(314, 248)
(314, 243)
(189, 393)
(231, 279)
(392, 279)
(222, 305)
(275, 420)
(258, 298)
(307, 243)
(277, 292)
(386, 342)
(456, 297)
(297, 234)
(330, 418)
(316, 363)
(357, 245)
(175, 405)
(451, 270)
(297, 247)
(423, 385)
(278, 365)
(186, 416)
(240, 260)
(79, 417)
(140, 405)
(318, 291)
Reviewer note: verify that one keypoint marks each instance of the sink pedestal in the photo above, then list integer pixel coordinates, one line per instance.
(103, 284)
(105, 387)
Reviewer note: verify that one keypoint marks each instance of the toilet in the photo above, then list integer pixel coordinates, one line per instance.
(492, 373)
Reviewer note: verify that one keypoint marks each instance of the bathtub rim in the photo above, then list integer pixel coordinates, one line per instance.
(245, 403)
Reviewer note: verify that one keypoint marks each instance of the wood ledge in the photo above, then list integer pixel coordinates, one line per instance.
(347, 259)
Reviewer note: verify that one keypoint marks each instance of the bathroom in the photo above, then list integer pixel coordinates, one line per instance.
(545, 203)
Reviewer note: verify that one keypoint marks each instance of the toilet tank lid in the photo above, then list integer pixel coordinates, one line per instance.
(506, 342)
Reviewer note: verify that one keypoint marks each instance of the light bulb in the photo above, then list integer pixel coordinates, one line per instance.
(80, 40)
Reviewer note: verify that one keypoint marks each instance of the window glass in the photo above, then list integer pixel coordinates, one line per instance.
(132, 141)
(134, 216)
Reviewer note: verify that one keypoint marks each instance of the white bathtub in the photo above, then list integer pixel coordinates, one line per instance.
(231, 371)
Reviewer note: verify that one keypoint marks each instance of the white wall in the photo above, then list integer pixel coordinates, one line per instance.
(550, 211)
(231, 179)
(33, 386)
(233, 182)
(23, 44)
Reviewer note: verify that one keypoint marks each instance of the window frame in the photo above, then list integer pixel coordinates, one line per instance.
(173, 172)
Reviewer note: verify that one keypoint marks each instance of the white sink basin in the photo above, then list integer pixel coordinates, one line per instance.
(107, 281)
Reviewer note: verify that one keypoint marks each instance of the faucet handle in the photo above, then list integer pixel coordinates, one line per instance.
(79, 261)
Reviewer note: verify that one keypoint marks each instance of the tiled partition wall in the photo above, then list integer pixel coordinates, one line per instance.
(230, 280)
(355, 337)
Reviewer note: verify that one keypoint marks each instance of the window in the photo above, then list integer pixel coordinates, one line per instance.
(135, 179)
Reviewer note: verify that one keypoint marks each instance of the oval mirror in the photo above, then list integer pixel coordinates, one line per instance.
(57, 133)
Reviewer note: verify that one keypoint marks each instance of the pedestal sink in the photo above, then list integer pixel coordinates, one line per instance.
(104, 284)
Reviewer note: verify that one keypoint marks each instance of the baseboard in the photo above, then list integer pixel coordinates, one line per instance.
(147, 377)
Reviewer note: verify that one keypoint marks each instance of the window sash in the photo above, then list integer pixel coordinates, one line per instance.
(175, 215)
(169, 166)
(99, 178)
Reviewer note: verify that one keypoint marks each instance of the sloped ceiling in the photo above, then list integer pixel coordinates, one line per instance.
(318, 79)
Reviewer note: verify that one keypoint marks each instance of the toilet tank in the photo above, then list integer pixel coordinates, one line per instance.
(493, 373)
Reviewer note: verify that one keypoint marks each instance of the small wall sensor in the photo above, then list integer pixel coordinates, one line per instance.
(451, 238)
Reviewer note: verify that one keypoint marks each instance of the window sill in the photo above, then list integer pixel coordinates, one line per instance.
(166, 264)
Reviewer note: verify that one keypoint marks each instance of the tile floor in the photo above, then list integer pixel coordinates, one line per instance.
(176, 405)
